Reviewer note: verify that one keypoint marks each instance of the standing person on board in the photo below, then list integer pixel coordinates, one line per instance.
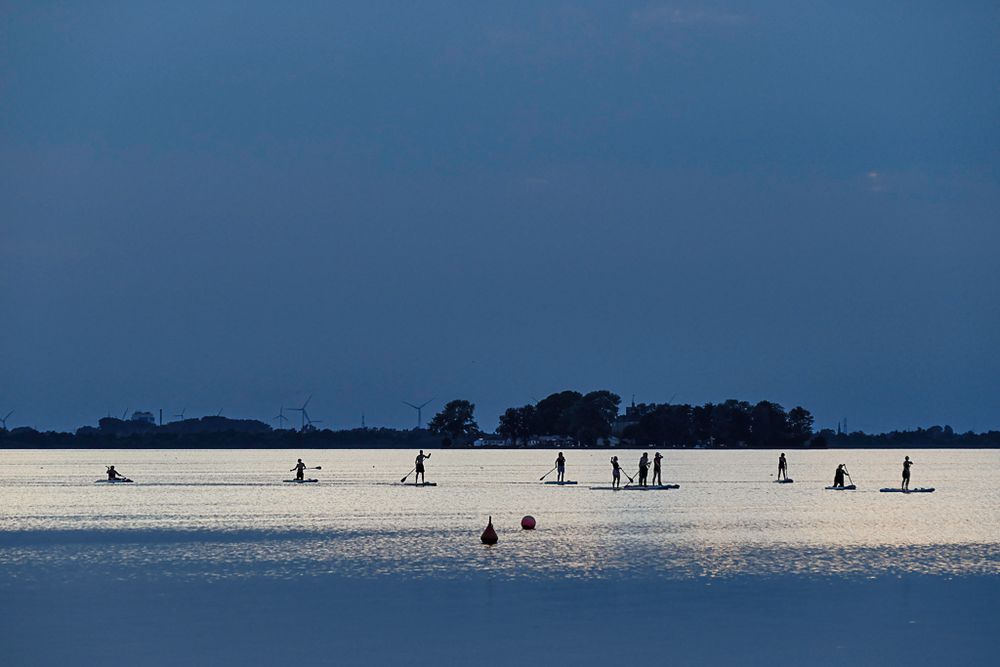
(657, 475)
(906, 473)
(782, 467)
(299, 470)
(643, 468)
(560, 468)
(616, 473)
(114, 474)
(838, 477)
(420, 467)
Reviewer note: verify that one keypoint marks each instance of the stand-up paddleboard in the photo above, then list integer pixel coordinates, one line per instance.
(916, 490)
(114, 481)
(783, 481)
(300, 481)
(566, 483)
(421, 484)
(659, 487)
(849, 487)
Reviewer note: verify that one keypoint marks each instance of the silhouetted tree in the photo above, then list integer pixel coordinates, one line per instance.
(553, 412)
(456, 421)
(518, 424)
(591, 416)
(800, 424)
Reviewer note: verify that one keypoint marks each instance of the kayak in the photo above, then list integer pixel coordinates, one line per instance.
(917, 490)
(114, 481)
(783, 481)
(659, 487)
(849, 487)
(567, 482)
(299, 481)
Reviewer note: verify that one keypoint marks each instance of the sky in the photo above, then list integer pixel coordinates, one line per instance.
(235, 205)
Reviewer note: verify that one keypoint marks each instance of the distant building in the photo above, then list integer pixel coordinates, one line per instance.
(490, 440)
(633, 413)
(144, 417)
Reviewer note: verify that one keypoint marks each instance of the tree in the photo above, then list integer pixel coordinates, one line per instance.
(518, 423)
(455, 421)
(800, 424)
(591, 416)
(768, 425)
(667, 425)
(552, 412)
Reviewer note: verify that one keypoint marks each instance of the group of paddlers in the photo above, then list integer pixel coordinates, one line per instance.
(838, 475)
(616, 470)
(642, 475)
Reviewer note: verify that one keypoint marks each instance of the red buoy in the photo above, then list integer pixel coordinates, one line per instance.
(528, 522)
(489, 535)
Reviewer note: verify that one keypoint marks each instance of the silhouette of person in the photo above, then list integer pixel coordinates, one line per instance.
(657, 475)
(114, 474)
(299, 470)
(560, 468)
(616, 473)
(782, 467)
(643, 468)
(906, 473)
(838, 477)
(420, 467)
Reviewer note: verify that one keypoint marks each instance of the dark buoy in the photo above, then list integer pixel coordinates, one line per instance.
(489, 535)
(528, 522)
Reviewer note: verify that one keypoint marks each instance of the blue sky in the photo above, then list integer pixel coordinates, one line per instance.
(239, 205)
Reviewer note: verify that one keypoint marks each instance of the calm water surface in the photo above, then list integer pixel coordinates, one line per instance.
(227, 513)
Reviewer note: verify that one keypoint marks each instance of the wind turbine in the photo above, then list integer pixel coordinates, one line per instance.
(124, 413)
(305, 415)
(3, 420)
(280, 417)
(181, 415)
(420, 411)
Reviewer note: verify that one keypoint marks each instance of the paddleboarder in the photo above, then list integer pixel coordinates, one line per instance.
(420, 467)
(838, 477)
(782, 466)
(657, 476)
(906, 473)
(114, 474)
(616, 473)
(643, 468)
(299, 470)
(560, 468)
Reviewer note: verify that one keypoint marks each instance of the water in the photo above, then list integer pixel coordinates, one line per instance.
(226, 513)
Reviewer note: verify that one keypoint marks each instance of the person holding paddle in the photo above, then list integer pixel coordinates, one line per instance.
(782, 466)
(616, 473)
(657, 475)
(420, 467)
(299, 470)
(114, 474)
(838, 477)
(560, 468)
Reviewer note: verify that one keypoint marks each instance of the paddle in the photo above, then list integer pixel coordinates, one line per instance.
(630, 480)
(545, 475)
(848, 476)
(403, 481)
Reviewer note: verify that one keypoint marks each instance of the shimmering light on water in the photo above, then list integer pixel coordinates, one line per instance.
(225, 513)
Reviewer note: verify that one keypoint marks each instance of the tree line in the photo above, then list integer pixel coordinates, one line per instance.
(591, 419)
